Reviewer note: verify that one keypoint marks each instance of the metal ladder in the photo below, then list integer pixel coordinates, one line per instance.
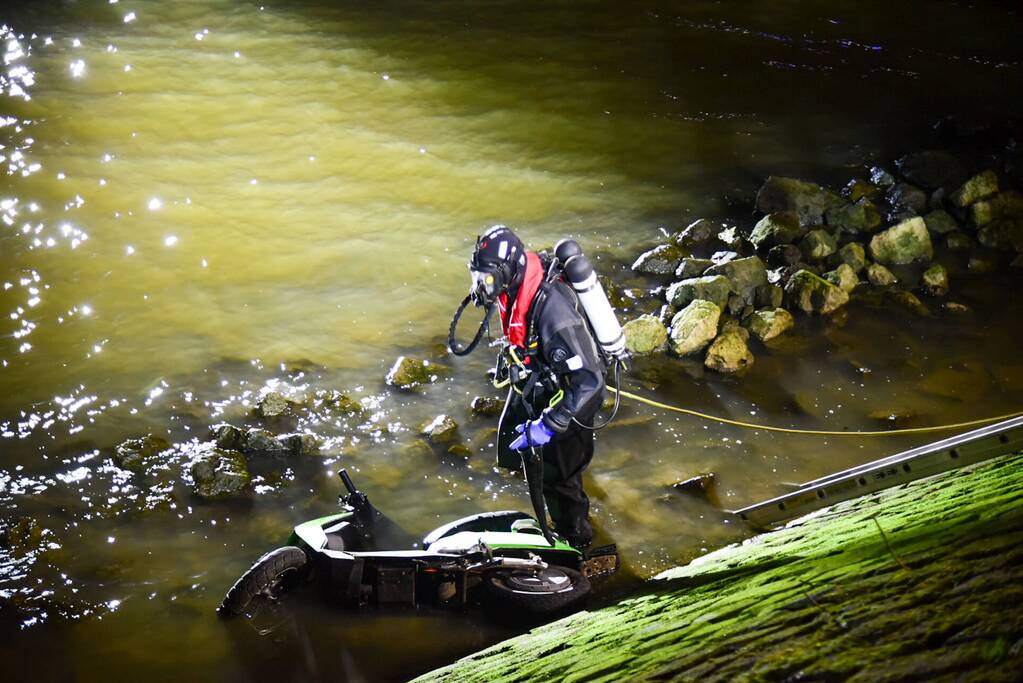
(948, 454)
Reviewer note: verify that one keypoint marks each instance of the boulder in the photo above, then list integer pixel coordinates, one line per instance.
(879, 276)
(745, 274)
(219, 473)
(858, 189)
(661, 260)
(859, 217)
(932, 169)
(644, 335)
(935, 280)
(768, 296)
(784, 255)
(486, 406)
(301, 443)
(227, 436)
(852, 254)
(696, 233)
(978, 187)
(692, 267)
(715, 288)
(729, 352)
(818, 245)
(813, 294)
(844, 277)
(440, 430)
(410, 373)
(776, 228)
(959, 241)
(904, 243)
(939, 222)
(694, 327)
(134, 454)
(881, 177)
(807, 200)
(767, 324)
(263, 442)
(907, 200)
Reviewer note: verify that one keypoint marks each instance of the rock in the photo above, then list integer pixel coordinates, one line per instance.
(263, 442)
(441, 430)
(696, 233)
(702, 485)
(133, 453)
(227, 436)
(409, 373)
(907, 301)
(745, 274)
(879, 276)
(940, 222)
(852, 255)
(808, 200)
(274, 404)
(818, 245)
(714, 288)
(219, 473)
(907, 200)
(486, 406)
(719, 257)
(1003, 206)
(661, 260)
(776, 228)
(731, 237)
(956, 308)
(858, 189)
(459, 450)
(978, 187)
(694, 327)
(301, 443)
(1006, 235)
(959, 241)
(935, 280)
(768, 296)
(932, 169)
(859, 217)
(644, 335)
(341, 403)
(982, 262)
(904, 243)
(729, 352)
(881, 177)
(768, 324)
(843, 276)
(813, 294)
(784, 255)
(692, 267)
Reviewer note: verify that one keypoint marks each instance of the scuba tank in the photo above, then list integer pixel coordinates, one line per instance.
(578, 272)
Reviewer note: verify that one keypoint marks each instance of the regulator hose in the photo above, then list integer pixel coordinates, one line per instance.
(456, 347)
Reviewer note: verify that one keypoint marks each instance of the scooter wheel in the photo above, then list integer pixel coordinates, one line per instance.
(537, 592)
(266, 580)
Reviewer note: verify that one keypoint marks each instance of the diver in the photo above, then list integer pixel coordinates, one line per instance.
(561, 336)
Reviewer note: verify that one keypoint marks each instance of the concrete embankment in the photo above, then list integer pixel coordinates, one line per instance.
(921, 582)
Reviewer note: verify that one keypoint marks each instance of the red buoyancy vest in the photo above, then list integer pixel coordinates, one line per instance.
(513, 321)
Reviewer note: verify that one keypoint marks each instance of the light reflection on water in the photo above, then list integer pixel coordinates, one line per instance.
(208, 199)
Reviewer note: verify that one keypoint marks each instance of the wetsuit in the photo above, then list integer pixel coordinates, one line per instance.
(567, 359)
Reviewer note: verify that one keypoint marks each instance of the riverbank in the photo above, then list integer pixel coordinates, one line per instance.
(906, 584)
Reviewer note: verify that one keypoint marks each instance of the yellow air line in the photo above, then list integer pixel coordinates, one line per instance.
(812, 432)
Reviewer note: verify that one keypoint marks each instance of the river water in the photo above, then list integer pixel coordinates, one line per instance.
(207, 198)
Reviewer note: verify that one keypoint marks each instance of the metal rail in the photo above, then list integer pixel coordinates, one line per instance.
(934, 458)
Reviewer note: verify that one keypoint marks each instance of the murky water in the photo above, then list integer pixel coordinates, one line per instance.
(204, 197)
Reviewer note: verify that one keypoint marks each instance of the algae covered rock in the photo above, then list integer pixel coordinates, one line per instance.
(301, 443)
(843, 276)
(219, 473)
(935, 280)
(776, 229)
(133, 454)
(807, 200)
(745, 275)
(904, 243)
(1005, 205)
(853, 255)
(644, 335)
(729, 352)
(959, 241)
(661, 260)
(907, 301)
(818, 245)
(692, 267)
(812, 294)
(227, 436)
(907, 200)
(768, 324)
(978, 187)
(939, 222)
(339, 402)
(879, 276)
(264, 442)
(694, 327)
(859, 217)
(440, 430)
(784, 255)
(696, 233)
(410, 373)
(714, 288)
(768, 296)
(485, 406)
(275, 404)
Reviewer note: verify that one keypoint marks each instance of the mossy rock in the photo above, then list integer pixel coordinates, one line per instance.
(858, 217)
(879, 276)
(715, 288)
(696, 233)
(339, 402)
(768, 324)
(301, 443)
(843, 276)
(264, 442)
(134, 454)
(274, 404)
(644, 335)
(935, 280)
(812, 294)
(694, 327)
(486, 406)
(818, 244)
(978, 187)
(729, 353)
(411, 373)
(440, 430)
(661, 260)
(227, 436)
(776, 229)
(807, 200)
(907, 242)
(219, 473)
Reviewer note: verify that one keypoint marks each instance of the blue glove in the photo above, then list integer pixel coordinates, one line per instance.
(534, 433)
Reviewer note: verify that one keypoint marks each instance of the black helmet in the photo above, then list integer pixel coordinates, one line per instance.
(497, 263)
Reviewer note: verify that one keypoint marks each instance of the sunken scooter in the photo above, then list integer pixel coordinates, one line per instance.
(360, 558)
